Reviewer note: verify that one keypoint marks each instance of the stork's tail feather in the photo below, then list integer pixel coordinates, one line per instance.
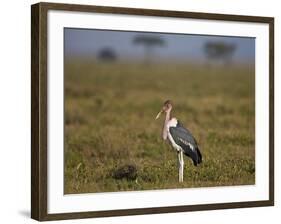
(199, 156)
(198, 160)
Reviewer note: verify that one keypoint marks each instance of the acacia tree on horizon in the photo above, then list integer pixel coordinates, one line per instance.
(107, 54)
(149, 42)
(219, 51)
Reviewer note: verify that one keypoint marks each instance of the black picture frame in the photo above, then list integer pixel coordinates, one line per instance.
(39, 107)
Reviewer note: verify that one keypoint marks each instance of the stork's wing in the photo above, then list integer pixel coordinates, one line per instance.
(187, 142)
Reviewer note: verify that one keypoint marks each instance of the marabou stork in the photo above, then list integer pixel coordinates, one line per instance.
(180, 138)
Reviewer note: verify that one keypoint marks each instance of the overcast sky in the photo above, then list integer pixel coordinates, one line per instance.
(87, 42)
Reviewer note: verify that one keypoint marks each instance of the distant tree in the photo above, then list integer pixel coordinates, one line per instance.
(149, 42)
(107, 55)
(219, 51)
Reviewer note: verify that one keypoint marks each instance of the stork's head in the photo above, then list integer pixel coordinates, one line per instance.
(167, 107)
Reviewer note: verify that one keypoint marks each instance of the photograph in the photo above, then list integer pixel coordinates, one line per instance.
(154, 111)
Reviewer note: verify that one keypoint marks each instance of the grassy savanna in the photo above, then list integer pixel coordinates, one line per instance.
(109, 123)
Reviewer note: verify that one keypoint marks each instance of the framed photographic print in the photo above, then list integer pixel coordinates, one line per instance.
(138, 111)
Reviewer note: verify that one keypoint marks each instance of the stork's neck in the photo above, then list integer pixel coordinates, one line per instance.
(167, 119)
(168, 116)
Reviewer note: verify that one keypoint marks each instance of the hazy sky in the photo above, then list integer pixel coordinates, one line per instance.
(87, 42)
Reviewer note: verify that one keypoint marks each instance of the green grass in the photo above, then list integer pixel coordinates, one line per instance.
(109, 123)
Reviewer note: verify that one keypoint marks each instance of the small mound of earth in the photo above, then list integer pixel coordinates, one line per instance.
(128, 172)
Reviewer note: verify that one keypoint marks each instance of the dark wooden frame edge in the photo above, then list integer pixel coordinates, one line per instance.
(39, 110)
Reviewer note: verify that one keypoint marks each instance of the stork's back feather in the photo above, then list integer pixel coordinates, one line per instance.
(187, 142)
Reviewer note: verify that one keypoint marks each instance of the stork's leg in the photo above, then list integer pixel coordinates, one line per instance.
(182, 165)
(179, 164)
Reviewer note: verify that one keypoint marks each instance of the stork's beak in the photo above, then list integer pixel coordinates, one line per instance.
(158, 115)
